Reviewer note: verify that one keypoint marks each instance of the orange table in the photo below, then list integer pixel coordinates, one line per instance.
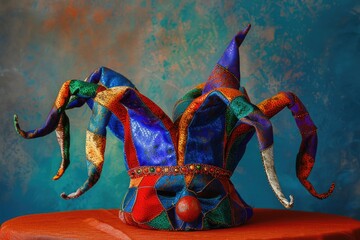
(104, 224)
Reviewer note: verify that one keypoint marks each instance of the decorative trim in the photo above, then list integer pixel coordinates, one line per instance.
(193, 169)
(226, 69)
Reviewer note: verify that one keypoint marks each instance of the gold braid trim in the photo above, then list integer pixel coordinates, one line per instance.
(188, 169)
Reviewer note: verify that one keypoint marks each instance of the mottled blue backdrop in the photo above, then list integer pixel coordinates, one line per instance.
(165, 47)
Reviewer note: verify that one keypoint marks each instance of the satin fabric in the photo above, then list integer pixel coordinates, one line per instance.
(194, 154)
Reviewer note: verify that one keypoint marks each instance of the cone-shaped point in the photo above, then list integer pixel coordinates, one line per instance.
(239, 38)
(231, 58)
(226, 72)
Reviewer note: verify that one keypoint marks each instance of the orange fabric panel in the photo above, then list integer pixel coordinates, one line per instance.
(104, 224)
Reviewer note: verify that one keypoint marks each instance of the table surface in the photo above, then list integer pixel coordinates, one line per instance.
(104, 224)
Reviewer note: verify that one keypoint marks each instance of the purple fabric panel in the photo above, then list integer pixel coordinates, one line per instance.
(262, 126)
(309, 145)
(305, 125)
(49, 126)
(230, 59)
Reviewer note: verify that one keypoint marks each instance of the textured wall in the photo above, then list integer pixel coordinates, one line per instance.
(165, 47)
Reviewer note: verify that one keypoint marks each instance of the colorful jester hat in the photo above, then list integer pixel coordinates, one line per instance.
(180, 170)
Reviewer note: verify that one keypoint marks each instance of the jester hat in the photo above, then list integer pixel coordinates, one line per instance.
(180, 169)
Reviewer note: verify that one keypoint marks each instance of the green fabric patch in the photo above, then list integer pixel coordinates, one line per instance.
(241, 107)
(193, 93)
(180, 108)
(185, 101)
(220, 216)
(233, 156)
(161, 222)
(238, 108)
(231, 121)
(83, 89)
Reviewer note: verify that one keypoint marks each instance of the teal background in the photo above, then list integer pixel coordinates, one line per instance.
(165, 47)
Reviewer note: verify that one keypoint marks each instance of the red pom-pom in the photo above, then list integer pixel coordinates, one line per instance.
(188, 208)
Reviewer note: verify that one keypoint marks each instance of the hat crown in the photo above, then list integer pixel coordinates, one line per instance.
(197, 136)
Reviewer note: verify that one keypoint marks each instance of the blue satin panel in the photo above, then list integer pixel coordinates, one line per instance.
(99, 119)
(110, 78)
(116, 127)
(170, 183)
(95, 76)
(199, 182)
(93, 176)
(152, 141)
(195, 225)
(76, 102)
(209, 191)
(90, 103)
(169, 190)
(129, 200)
(206, 132)
(176, 222)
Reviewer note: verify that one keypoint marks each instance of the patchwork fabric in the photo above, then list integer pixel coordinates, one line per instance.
(180, 168)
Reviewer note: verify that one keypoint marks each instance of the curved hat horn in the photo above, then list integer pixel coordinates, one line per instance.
(264, 134)
(53, 117)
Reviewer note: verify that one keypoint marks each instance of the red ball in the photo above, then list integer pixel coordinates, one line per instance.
(188, 208)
